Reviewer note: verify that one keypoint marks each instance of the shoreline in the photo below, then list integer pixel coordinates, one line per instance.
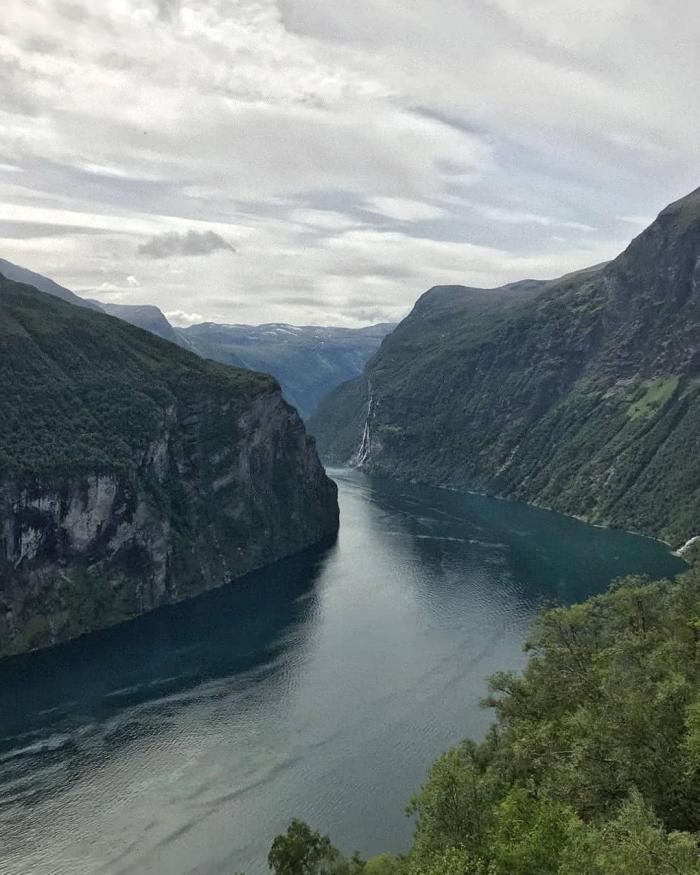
(679, 552)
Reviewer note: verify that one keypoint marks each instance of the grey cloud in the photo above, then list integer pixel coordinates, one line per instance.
(190, 243)
(297, 300)
(167, 9)
(40, 230)
(42, 45)
(72, 11)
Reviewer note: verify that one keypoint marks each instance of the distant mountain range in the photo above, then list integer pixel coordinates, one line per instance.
(307, 361)
(581, 394)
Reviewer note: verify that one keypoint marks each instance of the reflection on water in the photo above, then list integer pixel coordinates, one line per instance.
(321, 688)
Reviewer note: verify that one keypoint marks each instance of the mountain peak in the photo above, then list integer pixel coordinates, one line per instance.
(686, 208)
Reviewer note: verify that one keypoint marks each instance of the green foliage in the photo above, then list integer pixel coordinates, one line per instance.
(451, 861)
(302, 851)
(383, 864)
(593, 764)
(655, 394)
(83, 392)
(632, 843)
(456, 805)
(530, 835)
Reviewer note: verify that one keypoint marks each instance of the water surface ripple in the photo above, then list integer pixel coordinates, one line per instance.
(321, 688)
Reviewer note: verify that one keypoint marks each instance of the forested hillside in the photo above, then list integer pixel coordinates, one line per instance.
(581, 394)
(135, 474)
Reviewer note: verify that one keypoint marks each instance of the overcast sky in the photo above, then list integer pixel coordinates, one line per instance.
(326, 161)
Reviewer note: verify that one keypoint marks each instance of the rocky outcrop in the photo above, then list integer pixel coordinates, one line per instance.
(220, 479)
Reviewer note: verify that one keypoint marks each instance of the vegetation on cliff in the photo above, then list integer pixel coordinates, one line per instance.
(591, 768)
(582, 394)
(85, 392)
(307, 361)
(134, 473)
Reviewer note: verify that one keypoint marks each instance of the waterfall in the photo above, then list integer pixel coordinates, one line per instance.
(363, 452)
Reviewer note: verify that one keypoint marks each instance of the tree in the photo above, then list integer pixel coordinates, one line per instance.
(634, 843)
(530, 835)
(382, 864)
(302, 851)
(455, 806)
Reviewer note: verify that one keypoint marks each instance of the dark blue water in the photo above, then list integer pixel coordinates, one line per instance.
(322, 688)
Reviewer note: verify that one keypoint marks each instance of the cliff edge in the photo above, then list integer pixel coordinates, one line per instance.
(133, 474)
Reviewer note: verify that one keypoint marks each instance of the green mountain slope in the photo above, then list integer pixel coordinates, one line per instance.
(582, 394)
(134, 473)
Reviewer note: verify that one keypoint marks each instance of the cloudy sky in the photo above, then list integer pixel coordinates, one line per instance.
(325, 161)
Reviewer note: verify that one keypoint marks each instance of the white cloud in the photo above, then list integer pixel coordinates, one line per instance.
(182, 319)
(328, 141)
(513, 217)
(404, 210)
(639, 221)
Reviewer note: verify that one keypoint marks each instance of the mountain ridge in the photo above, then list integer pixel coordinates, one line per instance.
(582, 395)
(308, 361)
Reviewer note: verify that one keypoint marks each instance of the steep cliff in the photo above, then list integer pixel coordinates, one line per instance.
(582, 394)
(134, 474)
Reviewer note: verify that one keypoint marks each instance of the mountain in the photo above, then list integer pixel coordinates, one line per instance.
(145, 316)
(308, 361)
(581, 394)
(44, 284)
(135, 474)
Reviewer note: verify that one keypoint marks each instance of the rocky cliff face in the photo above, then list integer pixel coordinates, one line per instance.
(582, 394)
(132, 476)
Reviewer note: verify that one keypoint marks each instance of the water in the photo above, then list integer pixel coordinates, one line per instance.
(322, 688)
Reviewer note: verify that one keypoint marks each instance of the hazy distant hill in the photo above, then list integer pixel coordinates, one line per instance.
(148, 317)
(308, 361)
